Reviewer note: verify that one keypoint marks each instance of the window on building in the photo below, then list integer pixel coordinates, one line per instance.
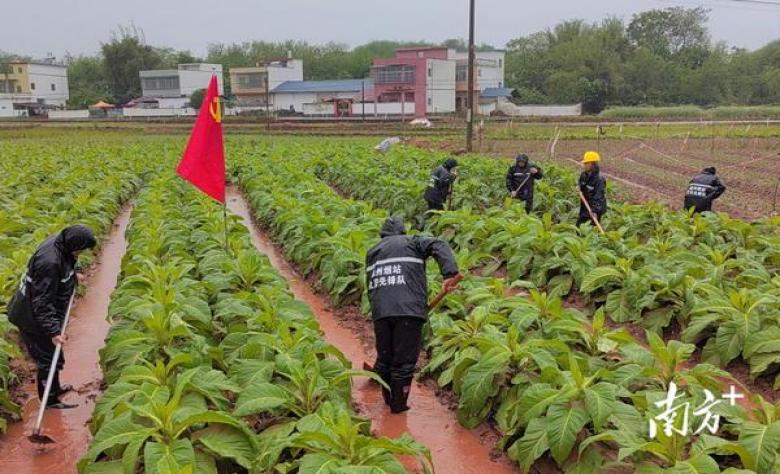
(409, 97)
(430, 72)
(161, 83)
(461, 72)
(393, 74)
(32, 85)
(18, 89)
(420, 54)
(479, 72)
(254, 80)
(500, 62)
(19, 70)
(430, 101)
(53, 87)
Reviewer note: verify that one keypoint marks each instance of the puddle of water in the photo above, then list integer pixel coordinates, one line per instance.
(86, 333)
(455, 450)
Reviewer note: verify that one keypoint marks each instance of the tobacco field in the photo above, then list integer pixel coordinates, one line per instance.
(565, 343)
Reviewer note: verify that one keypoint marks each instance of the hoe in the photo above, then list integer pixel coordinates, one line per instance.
(37, 436)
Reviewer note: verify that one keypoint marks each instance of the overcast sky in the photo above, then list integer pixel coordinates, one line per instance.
(78, 26)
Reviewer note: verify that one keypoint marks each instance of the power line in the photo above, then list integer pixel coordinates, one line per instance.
(757, 2)
(751, 5)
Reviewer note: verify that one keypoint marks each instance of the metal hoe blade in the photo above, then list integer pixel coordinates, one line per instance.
(38, 438)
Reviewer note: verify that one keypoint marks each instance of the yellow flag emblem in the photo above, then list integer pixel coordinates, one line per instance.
(215, 110)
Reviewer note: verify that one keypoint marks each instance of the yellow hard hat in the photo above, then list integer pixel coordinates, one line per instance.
(591, 157)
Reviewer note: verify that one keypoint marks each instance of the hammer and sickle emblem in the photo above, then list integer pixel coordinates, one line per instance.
(215, 110)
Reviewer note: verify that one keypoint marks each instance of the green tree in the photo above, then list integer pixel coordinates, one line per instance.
(87, 81)
(671, 30)
(196, 99)
(124, 56)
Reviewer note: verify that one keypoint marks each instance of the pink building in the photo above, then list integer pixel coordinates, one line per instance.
(433, 80)
(424, 77)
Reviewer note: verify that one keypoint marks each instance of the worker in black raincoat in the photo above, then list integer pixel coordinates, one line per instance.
(593, 187)
(39, 305)
(703, 189)
(520, 181)
(440, 184)
(398, 292)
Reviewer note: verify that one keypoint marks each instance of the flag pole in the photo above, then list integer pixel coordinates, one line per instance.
(225, 221)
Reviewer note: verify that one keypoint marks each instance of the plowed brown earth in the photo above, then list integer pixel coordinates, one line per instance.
(86, 333)
(455, 450)
(660, 169)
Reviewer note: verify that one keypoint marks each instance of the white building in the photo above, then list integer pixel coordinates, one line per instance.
(248, 84)
(33, 85)
(325, 98)
(172, 88)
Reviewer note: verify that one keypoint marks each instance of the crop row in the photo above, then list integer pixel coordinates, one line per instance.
(551, 376)
(713, 276)
(48, 188)
(211, 363)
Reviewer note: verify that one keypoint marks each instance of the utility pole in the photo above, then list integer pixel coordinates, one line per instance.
(363, 97)
(470, 93)
(267, 103)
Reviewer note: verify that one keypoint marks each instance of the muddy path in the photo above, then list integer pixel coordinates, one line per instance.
(455, 450)
(86, 333)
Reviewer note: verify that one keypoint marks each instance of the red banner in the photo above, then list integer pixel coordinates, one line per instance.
(203, 162)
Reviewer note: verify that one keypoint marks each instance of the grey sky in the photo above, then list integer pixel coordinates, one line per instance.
(78, 26)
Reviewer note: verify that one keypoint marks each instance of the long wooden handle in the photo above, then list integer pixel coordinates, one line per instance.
(590, 212)
(440, 296)
(53, 368)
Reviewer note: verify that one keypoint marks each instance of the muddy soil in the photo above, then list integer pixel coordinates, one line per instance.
(660, 169)
(86, 333)
(455, 450)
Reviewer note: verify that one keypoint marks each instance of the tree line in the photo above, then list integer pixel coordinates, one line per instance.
(660, 57)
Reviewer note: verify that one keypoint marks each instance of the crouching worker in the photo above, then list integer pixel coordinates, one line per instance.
(398, 291)
(39, 305)
(703, 189)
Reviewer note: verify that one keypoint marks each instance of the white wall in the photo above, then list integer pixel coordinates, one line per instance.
(440, 86)
(44, 76)
(540, 110)
(318, 108)
(7, 108)
(190, 81)
(492, 76)
(283, 100)
(68, 114)
(278, 75)
(137, 112)
(173, 102)
(383, 108)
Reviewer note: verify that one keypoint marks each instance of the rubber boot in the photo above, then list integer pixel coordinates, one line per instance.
(55, 392)
(400, 394)
(386, 396)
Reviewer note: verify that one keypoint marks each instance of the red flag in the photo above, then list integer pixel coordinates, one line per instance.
(203, 162)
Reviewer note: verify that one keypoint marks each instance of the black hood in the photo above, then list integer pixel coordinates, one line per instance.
(709, 170)
(393, 226)
(76, 237)
(450, 163)
(522, 158)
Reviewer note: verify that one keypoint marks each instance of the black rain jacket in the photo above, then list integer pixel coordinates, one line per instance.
(521, 175)
(40, 302)
(395, 271)
(439, 186)
(703, 189)
(594, 187)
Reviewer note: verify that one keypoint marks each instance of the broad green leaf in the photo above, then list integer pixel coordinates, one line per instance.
(564, 423)
(260, 397)
(531, 446)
